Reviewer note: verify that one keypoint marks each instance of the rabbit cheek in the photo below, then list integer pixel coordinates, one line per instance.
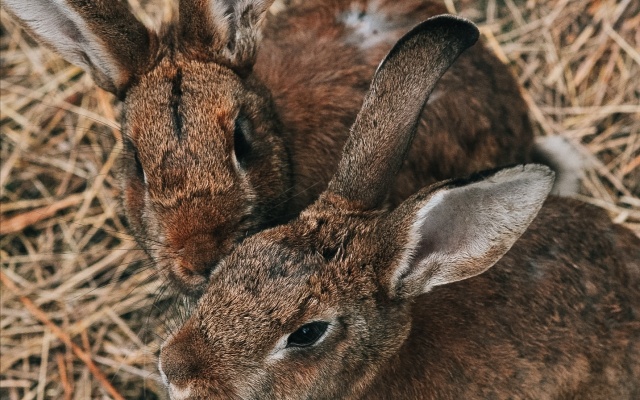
(133, 199)
(183, 362)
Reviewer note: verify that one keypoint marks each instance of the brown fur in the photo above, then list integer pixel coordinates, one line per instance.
(557, 317)
(478, 122)
(309, 78)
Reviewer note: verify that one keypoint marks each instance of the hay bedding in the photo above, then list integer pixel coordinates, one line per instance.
(83, 314)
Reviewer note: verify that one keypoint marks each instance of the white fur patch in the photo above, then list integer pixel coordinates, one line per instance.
(177, 393)
(370, 27)
(568, 162)
(163, 376)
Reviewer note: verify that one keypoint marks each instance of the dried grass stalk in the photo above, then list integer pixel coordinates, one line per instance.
(83, 314)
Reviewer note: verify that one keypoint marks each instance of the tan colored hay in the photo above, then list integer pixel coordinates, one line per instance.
(74, 281)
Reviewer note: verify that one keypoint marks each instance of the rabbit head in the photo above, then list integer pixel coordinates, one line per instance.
(204, 160)
(314, 308)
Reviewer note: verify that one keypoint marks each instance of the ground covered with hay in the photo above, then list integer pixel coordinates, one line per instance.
(83, 313)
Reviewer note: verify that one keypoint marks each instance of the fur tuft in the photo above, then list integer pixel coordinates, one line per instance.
(565, 159)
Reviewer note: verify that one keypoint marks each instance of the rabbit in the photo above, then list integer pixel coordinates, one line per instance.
(226, 134)
(474, 288)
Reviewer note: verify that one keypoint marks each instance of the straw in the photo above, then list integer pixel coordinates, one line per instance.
(82, 311)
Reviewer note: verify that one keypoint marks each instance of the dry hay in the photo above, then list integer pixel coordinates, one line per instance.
(82, 312)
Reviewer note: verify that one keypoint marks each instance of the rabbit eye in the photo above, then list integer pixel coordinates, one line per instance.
(139, 170)
(241, 144)
(307, 334)
(138, 165)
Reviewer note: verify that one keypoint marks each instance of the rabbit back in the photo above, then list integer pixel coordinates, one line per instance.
(226, 135)
(471, 288)
(317, 59)
(555, 317)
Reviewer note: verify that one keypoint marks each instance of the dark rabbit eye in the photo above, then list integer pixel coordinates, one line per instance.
(241, 144)
(138, 165)
(139, 169)
(307, 334)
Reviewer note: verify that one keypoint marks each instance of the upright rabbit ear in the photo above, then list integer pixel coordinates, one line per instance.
(102, 37)
(461, 229)
(384, 128)
(225, 31)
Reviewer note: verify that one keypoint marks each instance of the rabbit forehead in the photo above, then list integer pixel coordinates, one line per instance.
(276, 280)
(181, 105)
(180, 118)
(257, 295)
(292, 273)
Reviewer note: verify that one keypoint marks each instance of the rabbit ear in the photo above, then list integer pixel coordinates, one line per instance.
(385, 126)
(222, 30)
(462, 228)
(102, 37)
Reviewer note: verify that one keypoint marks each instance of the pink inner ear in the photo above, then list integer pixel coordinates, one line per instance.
(222, 32)
(106, 40)
(462, 231)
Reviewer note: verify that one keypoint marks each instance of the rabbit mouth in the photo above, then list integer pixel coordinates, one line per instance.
(190, 281)
(177, 393)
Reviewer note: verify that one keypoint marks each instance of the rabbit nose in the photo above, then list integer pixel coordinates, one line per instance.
(200, 254)
(179, 362)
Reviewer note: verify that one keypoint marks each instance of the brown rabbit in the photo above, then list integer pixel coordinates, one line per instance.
(349, 301)
(226, 135)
